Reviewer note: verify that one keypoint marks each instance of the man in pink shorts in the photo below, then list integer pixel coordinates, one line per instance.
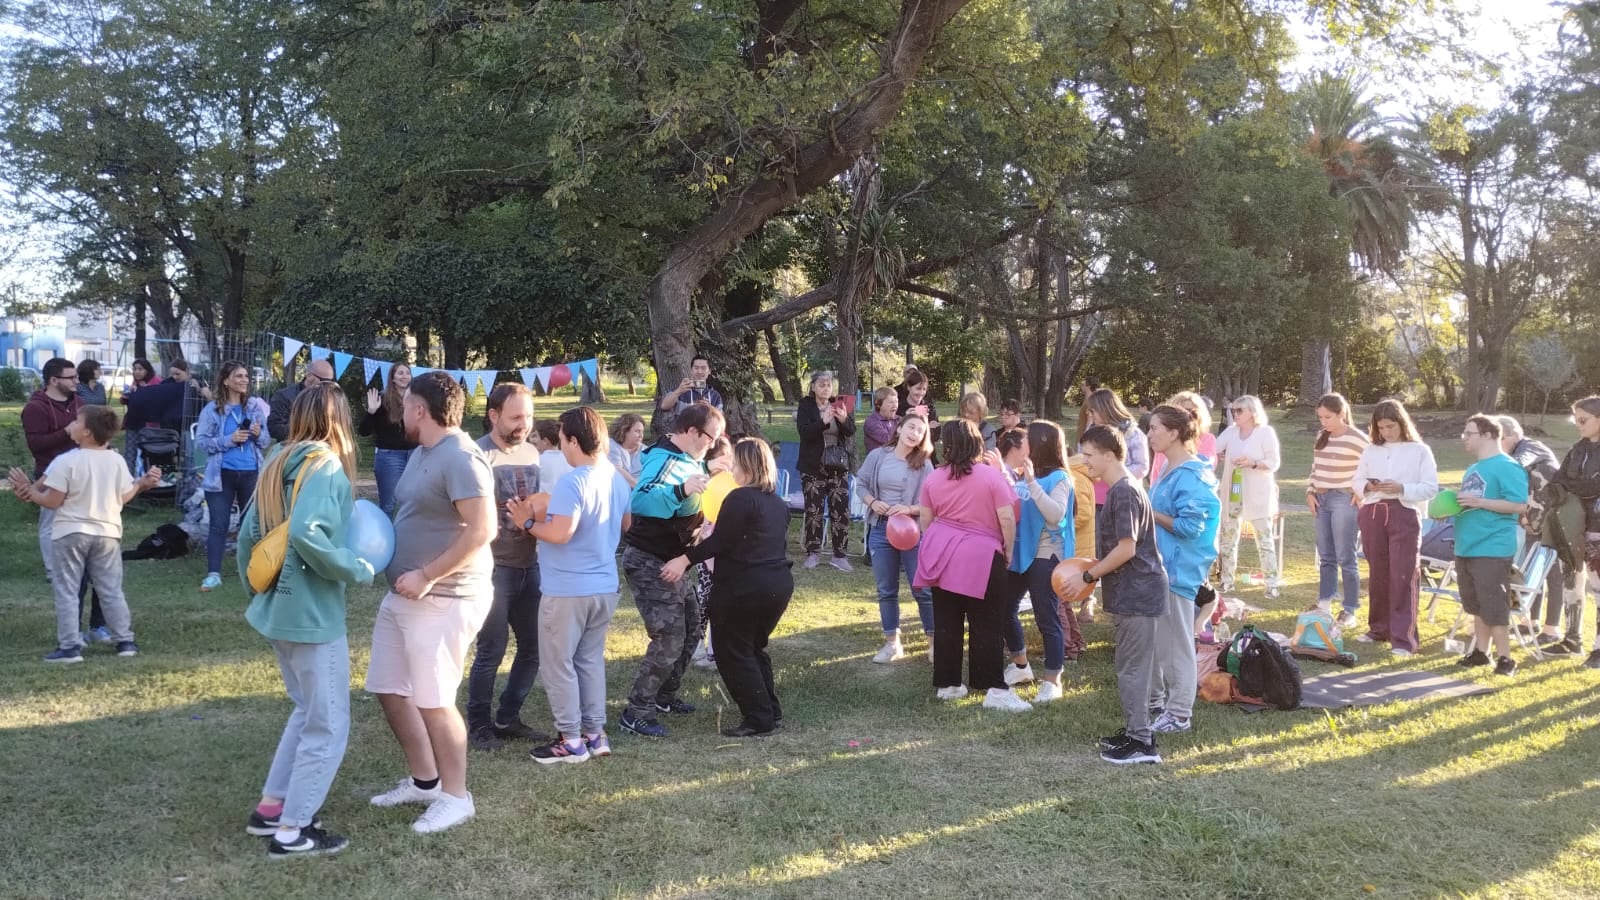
(440, 591)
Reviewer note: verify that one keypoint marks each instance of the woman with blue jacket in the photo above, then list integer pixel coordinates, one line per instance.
(232, 432)
(1187, 513)
(1044, 532)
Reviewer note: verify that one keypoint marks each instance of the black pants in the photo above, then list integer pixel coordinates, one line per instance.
(987, 618)
(88, 595)
(741, 622)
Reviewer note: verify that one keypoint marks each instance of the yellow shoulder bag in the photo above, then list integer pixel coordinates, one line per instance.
(267, 556)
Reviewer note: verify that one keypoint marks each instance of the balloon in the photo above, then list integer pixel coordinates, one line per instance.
(370, 535)
(1067, 580)
(560, 376)
(903, 532)
(1444, 505)
(717, 490)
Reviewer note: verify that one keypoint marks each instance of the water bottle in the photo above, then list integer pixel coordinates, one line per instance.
(1221, 633)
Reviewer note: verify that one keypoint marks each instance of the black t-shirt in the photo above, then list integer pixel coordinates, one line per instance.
(1139, 587)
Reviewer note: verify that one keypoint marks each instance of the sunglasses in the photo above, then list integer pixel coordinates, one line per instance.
(1240, 409)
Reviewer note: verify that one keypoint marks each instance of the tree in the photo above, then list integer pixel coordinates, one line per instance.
(1550, 365)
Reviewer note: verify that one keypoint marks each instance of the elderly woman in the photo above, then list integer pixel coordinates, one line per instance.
(825, 426)
(1250, 458)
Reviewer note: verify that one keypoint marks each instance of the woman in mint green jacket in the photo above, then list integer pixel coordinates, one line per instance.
(303, 616)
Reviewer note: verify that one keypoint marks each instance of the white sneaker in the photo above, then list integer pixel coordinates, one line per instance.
(1048, 691)
(1000, 698)
(952, 693)
(445, 812)
(406, 791)
(705, 662)
(889, 652)
(1398, 653)
(1347, 620)
(1366, 639)
(1167, 723)
(1016, 676)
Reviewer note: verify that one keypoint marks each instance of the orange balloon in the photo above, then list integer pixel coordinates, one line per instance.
(1067, 580)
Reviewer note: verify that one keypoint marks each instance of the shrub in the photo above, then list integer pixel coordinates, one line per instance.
(11, 389)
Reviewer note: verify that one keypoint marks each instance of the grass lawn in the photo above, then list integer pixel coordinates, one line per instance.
(133, 777)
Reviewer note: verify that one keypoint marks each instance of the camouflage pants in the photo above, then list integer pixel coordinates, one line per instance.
(671, 617)
(835, 492)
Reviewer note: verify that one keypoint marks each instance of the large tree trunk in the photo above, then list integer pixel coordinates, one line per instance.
(856, 274)
(1316, 381)
(787, 382)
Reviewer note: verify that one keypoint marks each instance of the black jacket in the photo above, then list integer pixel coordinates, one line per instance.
(282, 401)
(386, 435)
(750, 544)
(808, 419)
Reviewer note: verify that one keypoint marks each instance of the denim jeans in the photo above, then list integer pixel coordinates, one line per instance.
(887, 566)
(515, 611)
(1046, 613)
(387, 466)
(1337, 534)
(317, 677)
(237, 486)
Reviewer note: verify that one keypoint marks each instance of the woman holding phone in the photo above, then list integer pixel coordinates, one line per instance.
(232, 432)
(825, 426)
(1394, 481)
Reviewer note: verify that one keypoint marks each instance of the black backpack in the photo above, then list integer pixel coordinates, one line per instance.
(169, 542)
(1263, 668)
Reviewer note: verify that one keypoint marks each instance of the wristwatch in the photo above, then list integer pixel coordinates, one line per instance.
(527, 525)
(1088, 577)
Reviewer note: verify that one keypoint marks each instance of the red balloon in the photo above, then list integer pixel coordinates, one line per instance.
(903, 532)
(1067, 579)
(560, 376)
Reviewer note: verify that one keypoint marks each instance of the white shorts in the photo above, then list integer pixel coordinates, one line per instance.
(419, 647)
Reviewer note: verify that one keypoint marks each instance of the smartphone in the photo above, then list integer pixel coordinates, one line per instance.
(1372, 484)
(698, 385)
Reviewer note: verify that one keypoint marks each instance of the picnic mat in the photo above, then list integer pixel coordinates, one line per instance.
(1339, 690)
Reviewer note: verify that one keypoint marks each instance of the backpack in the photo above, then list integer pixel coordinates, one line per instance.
(168, 542)
(1315, 630)
(1263, 668)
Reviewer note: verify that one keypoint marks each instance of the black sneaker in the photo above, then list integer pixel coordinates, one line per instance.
(484, 738)
(744, 731)
(127, 648)
(1505, 665)
(1570, 647)
(1555, 646)
(1132, 753)
(264, 826)
(520, 731)
(1592, 661)
(1475, 658)
(1112, 742)
(313, 841)
(642, 727)
(675, 707)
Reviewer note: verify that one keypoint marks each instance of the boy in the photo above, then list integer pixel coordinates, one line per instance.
(87, 489)
(1494, 492)
(1135, 591)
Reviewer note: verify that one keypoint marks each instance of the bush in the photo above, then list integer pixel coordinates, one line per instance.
(11, 389)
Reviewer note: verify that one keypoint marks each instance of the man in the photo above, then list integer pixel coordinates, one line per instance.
(694, 389)
(278, 423)
(666, 514)
(1010, 414)
(46, 420)
(515, 464)
(1494, 492)
(1559, 598)
(440, 592)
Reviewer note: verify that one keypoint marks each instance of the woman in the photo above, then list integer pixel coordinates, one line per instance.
(975, 409)
(1044, 526)
(750, 588)
(889, 483)
(392, 449)
(968, 533)
(878, 430)
(232, 432)
(1187, 512)
(1250, 456)
(1578, 482)
(1104, 408)
(917, 398)
(1393, 483)
(144, 375)
(1331, 494)
(825, 428)
(627, 443)
(303, 616)
(1205, 442)
(90, 390)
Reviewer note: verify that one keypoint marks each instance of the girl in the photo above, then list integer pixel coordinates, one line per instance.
(627, 442)
(1044, 526)
(1205, 442)
(90, 390)
(382, 422)
(825, 423)
(1579, 477)
(975, 409)
(889, 483)
(232, 432)
(1105, 408)
(1393, 483)
(1331, 494)
(1250, 455)
(144, 375)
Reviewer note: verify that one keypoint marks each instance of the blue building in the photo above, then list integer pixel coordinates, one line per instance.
(31, 341)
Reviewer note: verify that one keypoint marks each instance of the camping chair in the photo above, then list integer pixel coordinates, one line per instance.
(789, 477)
(1528, 574)
(1438, 563)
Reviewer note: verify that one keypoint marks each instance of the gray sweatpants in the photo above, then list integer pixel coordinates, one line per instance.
(572, 660)
(1134, 661)
(47, 521)
(101, 558)
(1173, 683)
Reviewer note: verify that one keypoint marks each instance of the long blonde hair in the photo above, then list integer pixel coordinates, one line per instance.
(320, 415)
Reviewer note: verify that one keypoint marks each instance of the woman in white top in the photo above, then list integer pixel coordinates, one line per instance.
(1394, 481)
(1249, 454)
(627, 444)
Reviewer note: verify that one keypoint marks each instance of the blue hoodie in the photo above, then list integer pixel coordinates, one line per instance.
(1188, 494)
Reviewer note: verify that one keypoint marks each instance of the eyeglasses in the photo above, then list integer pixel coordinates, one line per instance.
(1241, 409)
(67, 377)
(1470, 434)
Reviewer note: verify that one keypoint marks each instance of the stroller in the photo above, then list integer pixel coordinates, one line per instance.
(157, 447)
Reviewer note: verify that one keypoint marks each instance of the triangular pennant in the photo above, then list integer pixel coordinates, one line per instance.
(527, 377)
(341, 363)
(457, 374)
(291, 349)
(369, 368)
(482, 379)
(319, 353)
(542, 376)
(419, 371)
(384, 368)
(590, 369)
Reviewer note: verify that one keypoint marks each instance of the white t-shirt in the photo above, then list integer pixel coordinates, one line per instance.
(552, 465)
(1260, 486)
(94, 481)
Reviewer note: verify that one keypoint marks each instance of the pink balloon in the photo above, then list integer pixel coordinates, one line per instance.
(560, 376)
(903, 532)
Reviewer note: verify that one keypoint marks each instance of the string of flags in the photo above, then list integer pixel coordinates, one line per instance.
(546, 378)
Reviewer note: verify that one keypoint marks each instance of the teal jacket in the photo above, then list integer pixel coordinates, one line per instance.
(306, 606)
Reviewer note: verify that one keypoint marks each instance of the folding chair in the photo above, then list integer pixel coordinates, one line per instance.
(1438, 568)
(1246, 530)
(1528, 573)
(789, 476)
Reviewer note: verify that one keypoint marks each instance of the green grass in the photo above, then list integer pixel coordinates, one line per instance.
(133, 777)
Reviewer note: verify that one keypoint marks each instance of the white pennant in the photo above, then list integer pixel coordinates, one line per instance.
(291, 348)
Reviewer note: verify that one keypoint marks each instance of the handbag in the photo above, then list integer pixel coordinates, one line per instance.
(268, 555)
(835, 458)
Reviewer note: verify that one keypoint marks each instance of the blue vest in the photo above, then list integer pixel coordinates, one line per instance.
(1033, 525)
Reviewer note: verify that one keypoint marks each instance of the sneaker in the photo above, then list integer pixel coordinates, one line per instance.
(1367, 638)
(1048, 691)
(101, 635)
(706, 662)
(812, 560)
(1167, 723)
(744, 731)
(64, 655)
(1568, 647)
(1005, 699)
(1016, 675)
(267, 826)
(642, 727)
(483, 738)
(599, 745)
(1592, 661)
(1114, 741)
(127, 648)
(560, 751)
(313, 841)
(212, 581)
(1399, 653)
(1545, 641)
(1475, 658)
(1131, 753)
(519, 730)
(1505, 665)
(406, 791)
(675, 707)
(1272, 594)
(445, 812)
(842, 564)
(1346, 619)
(889, 652)
(956, 692)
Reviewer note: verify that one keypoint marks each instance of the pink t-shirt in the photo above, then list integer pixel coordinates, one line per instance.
(958, 550)
(971, 501)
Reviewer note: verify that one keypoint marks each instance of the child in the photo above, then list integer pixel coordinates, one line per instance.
(1494, 491)
(547, 438)
(1135, 591)
(87, 488)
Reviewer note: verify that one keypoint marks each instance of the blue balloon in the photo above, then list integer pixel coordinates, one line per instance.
(370, 535)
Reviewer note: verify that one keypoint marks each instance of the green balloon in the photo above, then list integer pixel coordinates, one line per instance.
(1444, 505)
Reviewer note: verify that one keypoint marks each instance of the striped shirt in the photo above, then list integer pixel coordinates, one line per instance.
(1334, 466)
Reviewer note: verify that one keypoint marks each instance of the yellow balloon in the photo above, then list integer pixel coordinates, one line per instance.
(717, 490)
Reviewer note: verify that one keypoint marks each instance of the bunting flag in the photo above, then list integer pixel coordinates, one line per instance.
(481, 379)
(341, 363)
(419, 371)
(369, 368)
(320, 353)
(590, 369)
(459, 375)
(384, 368)
(527, 377)
(541, 375)
(545, 378)
(291, 349)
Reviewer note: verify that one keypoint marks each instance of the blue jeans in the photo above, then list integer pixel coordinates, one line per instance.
(887, 566)
(317, 677)
(515, 611)
(237, 485)
(387, 466)
(1336, 549)
(1046, 614)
